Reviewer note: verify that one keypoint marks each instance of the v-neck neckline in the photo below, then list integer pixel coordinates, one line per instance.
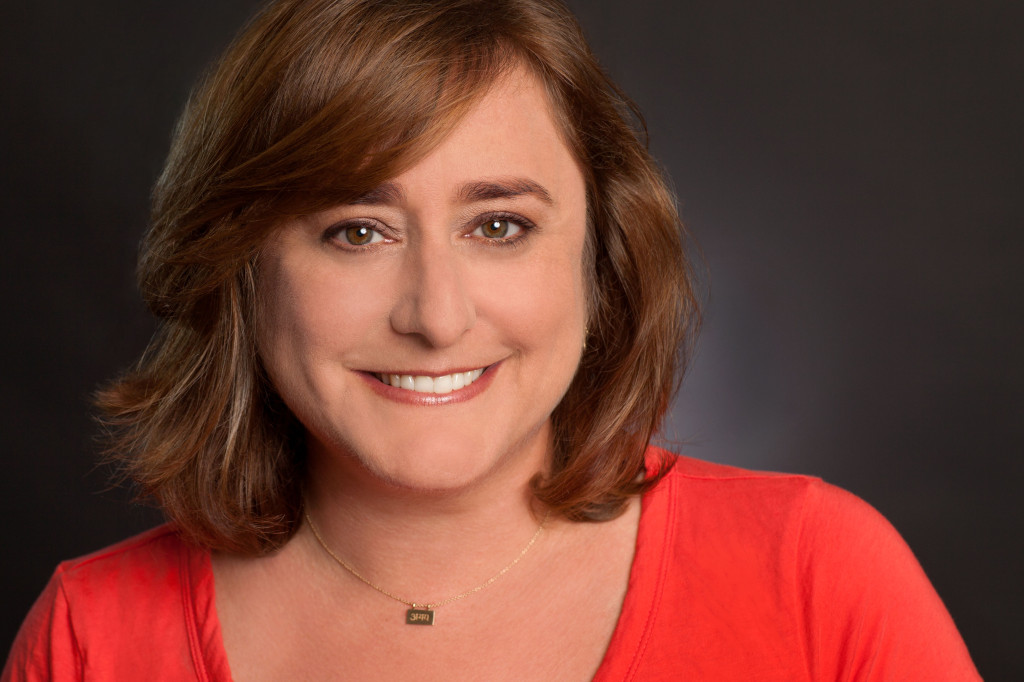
(625, 648)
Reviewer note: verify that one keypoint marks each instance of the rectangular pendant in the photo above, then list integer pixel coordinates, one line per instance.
(419, 617)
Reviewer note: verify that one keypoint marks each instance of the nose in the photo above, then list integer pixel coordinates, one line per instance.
(434, 302)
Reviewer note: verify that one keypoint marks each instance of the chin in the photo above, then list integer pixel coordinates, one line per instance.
(430, 482)
(428, 449)
(427, 466)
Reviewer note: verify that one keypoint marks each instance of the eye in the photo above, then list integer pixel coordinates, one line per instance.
(361, 235)
(356, 234)
(498, 228)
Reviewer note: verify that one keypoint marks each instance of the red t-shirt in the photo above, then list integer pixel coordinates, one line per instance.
(738, 575)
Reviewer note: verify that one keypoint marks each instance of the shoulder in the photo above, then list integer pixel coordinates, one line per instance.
(726, 498)
(128, 606)
(790, 567)
(771, 495)
(146, 578)
(812, 518)
(782, 524)
(730, 526)
(155, 551)
(144, 572)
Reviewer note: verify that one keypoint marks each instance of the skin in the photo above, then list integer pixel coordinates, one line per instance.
(430, 295)
(472, 259)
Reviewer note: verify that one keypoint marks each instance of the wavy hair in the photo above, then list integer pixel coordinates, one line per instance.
(313, 104)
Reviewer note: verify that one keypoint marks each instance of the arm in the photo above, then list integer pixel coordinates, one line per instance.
(46, 648)
(870, 612)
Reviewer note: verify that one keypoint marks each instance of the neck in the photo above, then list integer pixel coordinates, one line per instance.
(425, 545)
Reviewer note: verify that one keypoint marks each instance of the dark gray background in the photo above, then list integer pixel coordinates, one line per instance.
(853, 172)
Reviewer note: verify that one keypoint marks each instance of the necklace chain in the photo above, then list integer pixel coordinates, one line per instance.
(419, 605)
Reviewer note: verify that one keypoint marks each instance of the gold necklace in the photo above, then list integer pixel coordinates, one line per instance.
(423, 614)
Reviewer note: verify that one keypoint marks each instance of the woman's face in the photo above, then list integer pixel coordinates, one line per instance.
(426, 332)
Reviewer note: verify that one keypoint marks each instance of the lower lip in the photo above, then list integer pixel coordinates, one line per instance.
(402, 395)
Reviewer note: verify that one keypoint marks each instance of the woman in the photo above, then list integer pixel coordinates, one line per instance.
(422, 294)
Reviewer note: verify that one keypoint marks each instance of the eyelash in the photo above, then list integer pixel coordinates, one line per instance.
(510, 242)
(333, 233)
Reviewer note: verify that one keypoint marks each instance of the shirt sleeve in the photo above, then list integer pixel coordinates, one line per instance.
(870, 612)
(45, 649)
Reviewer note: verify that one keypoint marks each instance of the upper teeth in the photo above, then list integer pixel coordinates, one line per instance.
(424, 384)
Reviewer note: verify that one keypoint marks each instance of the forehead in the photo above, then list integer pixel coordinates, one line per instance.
(509, 131)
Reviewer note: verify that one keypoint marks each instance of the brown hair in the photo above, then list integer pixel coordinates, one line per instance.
(316, 102)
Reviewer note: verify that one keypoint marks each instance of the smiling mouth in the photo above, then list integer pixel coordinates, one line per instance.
(426, 384)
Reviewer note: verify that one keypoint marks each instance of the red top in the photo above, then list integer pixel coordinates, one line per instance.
(738, 575)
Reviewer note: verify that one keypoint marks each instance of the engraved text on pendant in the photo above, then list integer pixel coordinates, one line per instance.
(419, 617)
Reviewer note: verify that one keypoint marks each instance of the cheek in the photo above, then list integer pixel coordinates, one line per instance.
(538, 302)
(309, 315)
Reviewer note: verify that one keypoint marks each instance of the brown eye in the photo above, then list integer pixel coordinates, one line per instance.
(360, 235)
(498, 229)
(495, 229)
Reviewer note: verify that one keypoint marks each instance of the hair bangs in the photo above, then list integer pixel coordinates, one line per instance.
(354, 109)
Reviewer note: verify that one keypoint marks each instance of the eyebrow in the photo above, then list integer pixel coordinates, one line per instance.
(390, 193)
(387, 193)
(504, 189)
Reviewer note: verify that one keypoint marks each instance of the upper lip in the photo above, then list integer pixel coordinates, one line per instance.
(429, 372)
